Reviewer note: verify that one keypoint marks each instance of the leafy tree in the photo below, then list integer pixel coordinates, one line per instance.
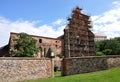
(97, 46)
(109, 47)
(25, 46)
(107, 51)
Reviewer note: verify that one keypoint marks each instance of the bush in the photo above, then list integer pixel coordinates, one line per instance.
(100, 54)
(107, 51)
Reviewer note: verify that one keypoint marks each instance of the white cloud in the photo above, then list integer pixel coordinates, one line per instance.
(108, 23)
(7, 26)
(116, 3)
(58, 22)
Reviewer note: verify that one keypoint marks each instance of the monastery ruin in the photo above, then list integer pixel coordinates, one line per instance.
(76, 47)
(78, 40)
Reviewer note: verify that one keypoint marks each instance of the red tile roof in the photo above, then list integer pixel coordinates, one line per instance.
(96, 34)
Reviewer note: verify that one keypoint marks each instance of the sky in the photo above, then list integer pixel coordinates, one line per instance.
(49, 17)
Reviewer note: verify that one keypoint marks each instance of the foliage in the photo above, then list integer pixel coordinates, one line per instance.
(25, 46)
(109, 47)
(112, 75)
(107, 51)
(100, 54)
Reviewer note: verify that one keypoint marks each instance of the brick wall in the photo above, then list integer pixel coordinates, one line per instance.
(88, 64)
(17, 69)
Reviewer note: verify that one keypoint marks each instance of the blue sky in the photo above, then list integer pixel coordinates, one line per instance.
(49, 10)
(48, 17)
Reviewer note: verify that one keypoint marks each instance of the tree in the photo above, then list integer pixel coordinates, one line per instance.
(109, 47)
(25, 46)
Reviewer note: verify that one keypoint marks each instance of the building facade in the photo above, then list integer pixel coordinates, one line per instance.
(78, 40)
(47, 46)
(100, 37)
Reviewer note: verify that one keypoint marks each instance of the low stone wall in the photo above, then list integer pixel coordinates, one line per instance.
(17, 69)
(79, 65)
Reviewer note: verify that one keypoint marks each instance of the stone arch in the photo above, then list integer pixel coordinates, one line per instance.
(49, 52)
(45, 52)
(40, 52)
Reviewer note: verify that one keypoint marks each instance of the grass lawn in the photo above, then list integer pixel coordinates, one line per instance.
(112, 75)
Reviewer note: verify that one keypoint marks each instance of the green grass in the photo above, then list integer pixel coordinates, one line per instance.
(112, 75)
(57, 74)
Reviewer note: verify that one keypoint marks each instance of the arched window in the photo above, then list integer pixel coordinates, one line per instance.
(40, 40)
(45, 52)
(40, 52)
(56, 46)
(78, 39)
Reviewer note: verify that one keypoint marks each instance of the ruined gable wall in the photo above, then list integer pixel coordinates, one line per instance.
(78, 39)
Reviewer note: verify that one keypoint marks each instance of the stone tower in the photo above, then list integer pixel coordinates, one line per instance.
(78, 39)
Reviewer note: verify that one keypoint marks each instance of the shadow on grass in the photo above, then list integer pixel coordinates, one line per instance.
(57, 74)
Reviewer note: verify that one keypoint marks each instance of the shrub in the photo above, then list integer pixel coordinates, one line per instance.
(107, 51)
(100, 54)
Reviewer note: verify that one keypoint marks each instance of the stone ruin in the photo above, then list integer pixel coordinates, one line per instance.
(78, 39)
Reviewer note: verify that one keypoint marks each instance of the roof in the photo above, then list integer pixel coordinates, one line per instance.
(60, 37)
(37, 36)
(96, 34)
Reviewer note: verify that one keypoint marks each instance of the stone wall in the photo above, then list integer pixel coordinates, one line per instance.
(88, 64)
(17, 69)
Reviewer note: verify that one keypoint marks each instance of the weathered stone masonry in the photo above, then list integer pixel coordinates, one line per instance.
(89, 64)
(78, 39)
(17, 69)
